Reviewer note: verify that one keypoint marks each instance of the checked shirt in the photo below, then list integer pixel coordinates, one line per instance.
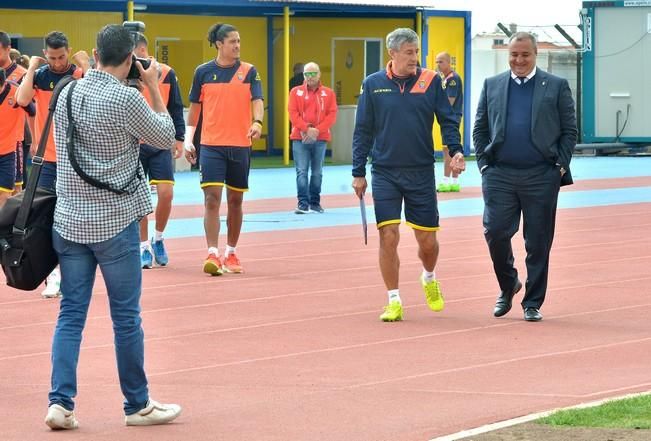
(111, 120)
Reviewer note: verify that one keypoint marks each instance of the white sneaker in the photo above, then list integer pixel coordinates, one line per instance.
(52, 285)
(58, 418)
(154, 413)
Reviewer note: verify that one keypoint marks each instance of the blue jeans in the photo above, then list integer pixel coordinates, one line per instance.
(119, 261)
(48, 177)
(308, 156)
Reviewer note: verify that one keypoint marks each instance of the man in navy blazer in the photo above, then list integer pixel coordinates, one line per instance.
(524, 135)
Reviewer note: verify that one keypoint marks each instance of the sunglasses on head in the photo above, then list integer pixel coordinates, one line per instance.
(310, 74)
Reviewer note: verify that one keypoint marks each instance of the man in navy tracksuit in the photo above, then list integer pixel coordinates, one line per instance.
(393, 125)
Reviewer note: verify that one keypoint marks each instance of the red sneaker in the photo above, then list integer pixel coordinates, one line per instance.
(232, 264)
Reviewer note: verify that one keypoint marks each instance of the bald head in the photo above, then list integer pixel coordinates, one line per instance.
(443, 61)
(312, 75)
(311, 67)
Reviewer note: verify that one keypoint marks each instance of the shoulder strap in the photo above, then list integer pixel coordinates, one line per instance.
(37, 162)
(5, 91)
(73, 160)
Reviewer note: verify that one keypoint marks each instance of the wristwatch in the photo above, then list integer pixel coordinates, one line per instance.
(561, 168)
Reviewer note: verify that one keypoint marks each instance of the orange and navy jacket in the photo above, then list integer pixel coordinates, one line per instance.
(15, 73)
(171, 94)
(11, 115)
(312, 108)
(44, 82)
(395, 117)
(225, 94)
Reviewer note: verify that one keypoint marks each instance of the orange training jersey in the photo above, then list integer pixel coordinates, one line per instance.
(163, 85)
(44, 82)
(225, 94)
(10, 115)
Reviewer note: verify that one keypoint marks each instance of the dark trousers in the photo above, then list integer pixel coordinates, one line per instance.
(534, 193)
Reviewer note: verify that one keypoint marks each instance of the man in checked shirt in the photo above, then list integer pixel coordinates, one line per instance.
(93, 226)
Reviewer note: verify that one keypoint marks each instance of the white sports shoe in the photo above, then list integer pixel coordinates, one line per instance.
(52, 285)
(58, 418)
(154, 413)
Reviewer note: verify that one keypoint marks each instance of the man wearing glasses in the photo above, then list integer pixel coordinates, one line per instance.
(312, 111)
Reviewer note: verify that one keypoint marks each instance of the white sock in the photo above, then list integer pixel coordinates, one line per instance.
(394, 295)
(144, 245)
(158, 235)
(229, 250)
(446, 180)
(213, 250)
(455, 181)
(428, 276)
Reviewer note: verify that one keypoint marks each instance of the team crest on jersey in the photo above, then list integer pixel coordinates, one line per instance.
(11, 102)
(421, 84)
(323, 93)
(51, 84)
(214, 77)
(240, 76)
(452, 83)
(299, 92)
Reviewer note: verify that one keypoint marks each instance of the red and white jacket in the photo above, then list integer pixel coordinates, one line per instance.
(312, 108)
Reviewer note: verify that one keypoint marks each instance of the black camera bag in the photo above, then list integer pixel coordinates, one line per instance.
(26, 221)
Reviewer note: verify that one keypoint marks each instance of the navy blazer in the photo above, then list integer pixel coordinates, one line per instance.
(553, 119)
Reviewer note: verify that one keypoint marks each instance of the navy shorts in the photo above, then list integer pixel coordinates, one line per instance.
(7, 172)
(48, 177)
(225, 166)
(19, 163)
(414, 186)
(158, 164)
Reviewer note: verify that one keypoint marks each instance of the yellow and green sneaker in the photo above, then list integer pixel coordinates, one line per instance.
(392, 312)
(455, 188)
(433, 294)
(443, 188)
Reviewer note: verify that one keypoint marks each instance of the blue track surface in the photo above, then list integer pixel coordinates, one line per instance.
(280, 183)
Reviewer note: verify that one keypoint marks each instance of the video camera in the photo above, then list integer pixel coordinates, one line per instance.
(135, 28)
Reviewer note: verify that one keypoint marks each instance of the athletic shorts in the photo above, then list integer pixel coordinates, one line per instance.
(158, 164)
(225, 166)
(7, 172)
(19, 163)
(413, 186)
(48, 177)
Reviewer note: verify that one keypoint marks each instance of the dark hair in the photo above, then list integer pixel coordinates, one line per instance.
(56, 40)
(5, 41)
(218, 32)
(114, 45)
(3, 77)
(521, 36)
(141, 39)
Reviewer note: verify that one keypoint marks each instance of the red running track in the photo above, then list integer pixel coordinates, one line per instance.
(294, 350)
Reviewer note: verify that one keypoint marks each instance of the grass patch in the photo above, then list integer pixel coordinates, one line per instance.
(630, 413)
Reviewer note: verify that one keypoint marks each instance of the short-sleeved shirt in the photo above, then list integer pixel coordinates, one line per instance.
(454, 89)
(44, 82)
(226, 94)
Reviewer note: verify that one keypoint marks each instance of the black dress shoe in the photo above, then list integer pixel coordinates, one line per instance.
(504, 301)
(532, 315)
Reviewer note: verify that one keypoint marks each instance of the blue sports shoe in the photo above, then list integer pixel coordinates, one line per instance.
(146, 258)
(160, 255)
